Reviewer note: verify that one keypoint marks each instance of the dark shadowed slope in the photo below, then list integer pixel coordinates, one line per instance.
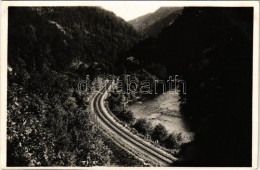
(212, 49)
(152, 24)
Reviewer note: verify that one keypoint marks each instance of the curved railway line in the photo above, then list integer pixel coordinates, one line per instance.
(139, 145)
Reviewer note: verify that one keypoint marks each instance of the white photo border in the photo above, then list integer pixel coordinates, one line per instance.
(3, 70)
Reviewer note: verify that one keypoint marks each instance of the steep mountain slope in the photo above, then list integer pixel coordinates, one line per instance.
(151, 24)
(86, 33)
(212, 49)
(49, 51)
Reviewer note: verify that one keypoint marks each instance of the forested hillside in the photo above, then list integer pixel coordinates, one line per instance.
(153, 23)
(212, 49)
(49, 51)
(54, 37)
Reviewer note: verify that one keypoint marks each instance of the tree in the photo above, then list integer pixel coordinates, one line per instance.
(159, 133)
(143, 126)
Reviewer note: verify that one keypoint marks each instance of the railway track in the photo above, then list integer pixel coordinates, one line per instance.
(137, 143)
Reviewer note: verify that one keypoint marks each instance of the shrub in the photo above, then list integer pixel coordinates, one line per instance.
(172, 141)
(143, 127)
(159, 133)
(126, 116)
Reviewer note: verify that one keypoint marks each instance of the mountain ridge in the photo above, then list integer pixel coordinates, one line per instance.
(151, 24)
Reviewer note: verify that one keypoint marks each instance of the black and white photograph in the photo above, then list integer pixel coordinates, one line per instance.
(129, 84)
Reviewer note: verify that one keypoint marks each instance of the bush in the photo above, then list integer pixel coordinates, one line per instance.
(126, 116)
(159, 133)
(172, 141)
(143, 127)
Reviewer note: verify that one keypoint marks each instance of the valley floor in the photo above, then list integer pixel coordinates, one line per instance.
(164, 109)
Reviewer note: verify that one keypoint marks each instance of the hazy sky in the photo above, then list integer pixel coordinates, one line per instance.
(131, 9)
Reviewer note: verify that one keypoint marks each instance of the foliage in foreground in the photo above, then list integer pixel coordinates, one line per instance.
(49, 126)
